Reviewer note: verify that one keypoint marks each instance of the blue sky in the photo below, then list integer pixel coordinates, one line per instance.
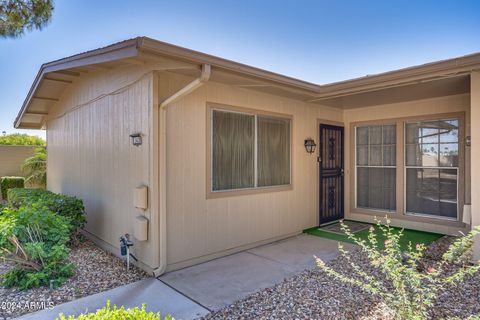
(317, 41)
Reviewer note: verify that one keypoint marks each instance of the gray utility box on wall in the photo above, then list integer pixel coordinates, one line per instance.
(140, 228)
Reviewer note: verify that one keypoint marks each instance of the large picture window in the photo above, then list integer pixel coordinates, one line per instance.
(431, 167)
(376, 167)
(249, 150)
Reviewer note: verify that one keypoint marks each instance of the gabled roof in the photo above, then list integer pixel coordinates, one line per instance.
(54, 77)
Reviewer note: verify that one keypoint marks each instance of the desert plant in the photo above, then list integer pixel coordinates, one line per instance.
(69, 207)
(401, 279)
(35, 168)
(7, 183)
(114, 313)
(34, 239)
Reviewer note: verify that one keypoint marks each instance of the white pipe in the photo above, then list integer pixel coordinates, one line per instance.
(192, 86)
(204, 77)
(128, 258)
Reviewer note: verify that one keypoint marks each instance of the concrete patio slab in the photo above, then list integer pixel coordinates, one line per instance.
(156, 295)
(297, 253)
(222, 281)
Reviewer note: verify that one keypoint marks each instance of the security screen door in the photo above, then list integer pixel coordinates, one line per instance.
(331, 173)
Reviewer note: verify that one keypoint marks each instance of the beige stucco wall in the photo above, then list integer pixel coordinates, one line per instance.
(475, 151)
(199, 228)
(91, 156)
(12, 157)
(448, 104)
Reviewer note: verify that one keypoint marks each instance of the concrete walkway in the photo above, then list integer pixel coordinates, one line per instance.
(221, 282)
(157, 296)
(192, 292)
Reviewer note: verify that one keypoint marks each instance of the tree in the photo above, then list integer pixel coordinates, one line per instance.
(17, 139)
(18, 16)
(35, 168)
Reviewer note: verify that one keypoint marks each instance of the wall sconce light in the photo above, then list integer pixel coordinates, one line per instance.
(136, 139)
(468, 141)
(310, 145)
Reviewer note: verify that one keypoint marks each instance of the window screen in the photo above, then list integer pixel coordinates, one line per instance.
(376, 167)
(431, 164)
(273, 151)
(233, 137)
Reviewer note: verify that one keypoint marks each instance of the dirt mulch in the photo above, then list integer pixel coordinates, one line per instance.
(313, 294)
(96, 271)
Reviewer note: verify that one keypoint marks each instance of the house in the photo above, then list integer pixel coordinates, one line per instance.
(199, 157)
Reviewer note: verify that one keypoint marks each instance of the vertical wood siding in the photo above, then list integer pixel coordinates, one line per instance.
(91, 156)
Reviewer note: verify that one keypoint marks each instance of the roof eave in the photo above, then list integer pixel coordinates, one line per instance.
(163, 48)
(433, 70)
(122, 50)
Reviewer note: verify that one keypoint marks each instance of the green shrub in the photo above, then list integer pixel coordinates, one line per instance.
(7, 183)
(34, 239)
(114, 313)
(403, 281)
(69, 207)
(35, 168)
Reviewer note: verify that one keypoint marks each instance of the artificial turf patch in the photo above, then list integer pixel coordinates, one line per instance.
(409, 236)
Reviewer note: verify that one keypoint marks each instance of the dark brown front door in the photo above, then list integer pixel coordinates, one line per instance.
(331, 173)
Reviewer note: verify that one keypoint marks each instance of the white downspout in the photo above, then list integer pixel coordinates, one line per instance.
(195, 84)
(204, 76)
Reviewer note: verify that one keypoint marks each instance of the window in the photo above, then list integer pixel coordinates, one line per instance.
(431, 167)
(273, 151)
(233, 150)
(376, 167)
(249, 151)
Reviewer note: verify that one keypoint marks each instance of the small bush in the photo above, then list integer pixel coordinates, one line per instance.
(34, 239)
(407, 286)
(7, 183)
(114, 313)
(69, 207)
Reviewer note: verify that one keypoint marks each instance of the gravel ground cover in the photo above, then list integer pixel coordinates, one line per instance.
(314, 295)
(96, 271)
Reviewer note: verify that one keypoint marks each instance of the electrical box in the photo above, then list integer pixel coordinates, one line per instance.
(140, 228)
(140, 198)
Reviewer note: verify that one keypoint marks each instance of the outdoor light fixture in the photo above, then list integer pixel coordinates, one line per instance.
(310, 145)
(468, 141)
(136, 139)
